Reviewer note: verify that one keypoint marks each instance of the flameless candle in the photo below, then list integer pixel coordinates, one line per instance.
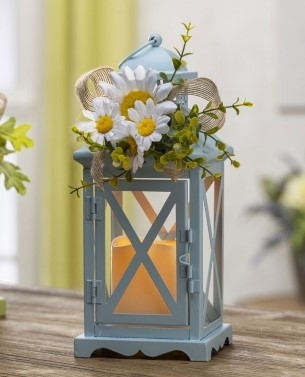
(141, 295)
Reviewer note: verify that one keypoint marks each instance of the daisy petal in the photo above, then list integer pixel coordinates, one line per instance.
(168, 107)
(118, 81)
(89, 114)
(134, 115)
(86, 126)
(110, 90)
(162, 91)
(129, 74)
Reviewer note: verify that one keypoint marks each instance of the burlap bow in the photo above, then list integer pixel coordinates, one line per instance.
(87, 88)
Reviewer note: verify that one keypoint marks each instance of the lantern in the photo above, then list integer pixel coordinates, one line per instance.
(153, 253)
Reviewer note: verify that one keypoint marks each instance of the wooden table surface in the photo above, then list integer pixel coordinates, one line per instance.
(36, 339)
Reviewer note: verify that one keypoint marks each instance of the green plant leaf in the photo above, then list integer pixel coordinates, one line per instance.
(178, 81)
(212, 115)
(13, 177)
(194, 110)
(176, 63)
(163, 76)
(236, 109)
(128, 176)
(186, 38)
(19, 138)
(7, 127)
(209, 104)
(222, 108)
(16, 135)
(212, 131)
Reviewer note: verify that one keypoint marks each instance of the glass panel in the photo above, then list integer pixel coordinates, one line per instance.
(210, 268)
(154, 270)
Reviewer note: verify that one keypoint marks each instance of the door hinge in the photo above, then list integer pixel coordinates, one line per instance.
(93, 207)
(193, 286)
(186, 236)
(93, 291)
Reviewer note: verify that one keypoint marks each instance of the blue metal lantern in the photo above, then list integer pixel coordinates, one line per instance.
(153, 253)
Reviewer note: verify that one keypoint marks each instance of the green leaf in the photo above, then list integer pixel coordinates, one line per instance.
(236, 109)
(178, 81)
(217, 175)
(186, 38)
(212, 131)
(194, 121)
(188, 26)
(95, 148)
(176, 63)
(113, 181)
(163, 76)
(178, 52)
(222, 108)
(4, 151)
(128, 176)
(16, 135)
(194, 110)
(235, 163)
(212, 115)
(180, 117)
(20, 139)
(248, 104)
(209, 104)
(200, 160)
(7, 127)
(220, 145)
(13, 177)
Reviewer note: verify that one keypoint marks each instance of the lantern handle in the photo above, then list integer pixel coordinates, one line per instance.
(154, 40)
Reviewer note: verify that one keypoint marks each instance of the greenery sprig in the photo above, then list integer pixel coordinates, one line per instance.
(178, 63)
(12, 139)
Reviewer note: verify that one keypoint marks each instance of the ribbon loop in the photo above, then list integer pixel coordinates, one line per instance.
(207, 90)
(82, 86)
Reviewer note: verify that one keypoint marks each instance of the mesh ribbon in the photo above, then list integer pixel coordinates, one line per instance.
(89, 82)
(207, 90)
(97, 168)
(87, 88)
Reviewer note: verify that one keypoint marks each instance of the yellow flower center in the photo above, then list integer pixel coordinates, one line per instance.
(146, 127)
(131, 98)
(132, 145)
(104, 124)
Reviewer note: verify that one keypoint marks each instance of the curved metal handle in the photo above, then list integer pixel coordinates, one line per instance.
(154, 40)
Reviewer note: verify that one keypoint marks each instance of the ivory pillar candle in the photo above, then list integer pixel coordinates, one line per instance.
(141, 295)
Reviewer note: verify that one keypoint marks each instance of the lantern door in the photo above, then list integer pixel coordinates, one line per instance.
(140, 245)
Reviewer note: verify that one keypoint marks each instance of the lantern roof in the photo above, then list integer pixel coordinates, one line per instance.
(152, 55)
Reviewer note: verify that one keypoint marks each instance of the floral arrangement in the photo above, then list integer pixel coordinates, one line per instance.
(138, 117)
(285, 203)
(12, 139)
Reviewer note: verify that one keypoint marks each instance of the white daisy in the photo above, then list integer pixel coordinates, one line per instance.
(138, 85)
(105, 123)
(138, 159)
(148, 122)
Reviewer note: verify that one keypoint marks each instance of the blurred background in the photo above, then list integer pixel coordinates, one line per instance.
(249, 49)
